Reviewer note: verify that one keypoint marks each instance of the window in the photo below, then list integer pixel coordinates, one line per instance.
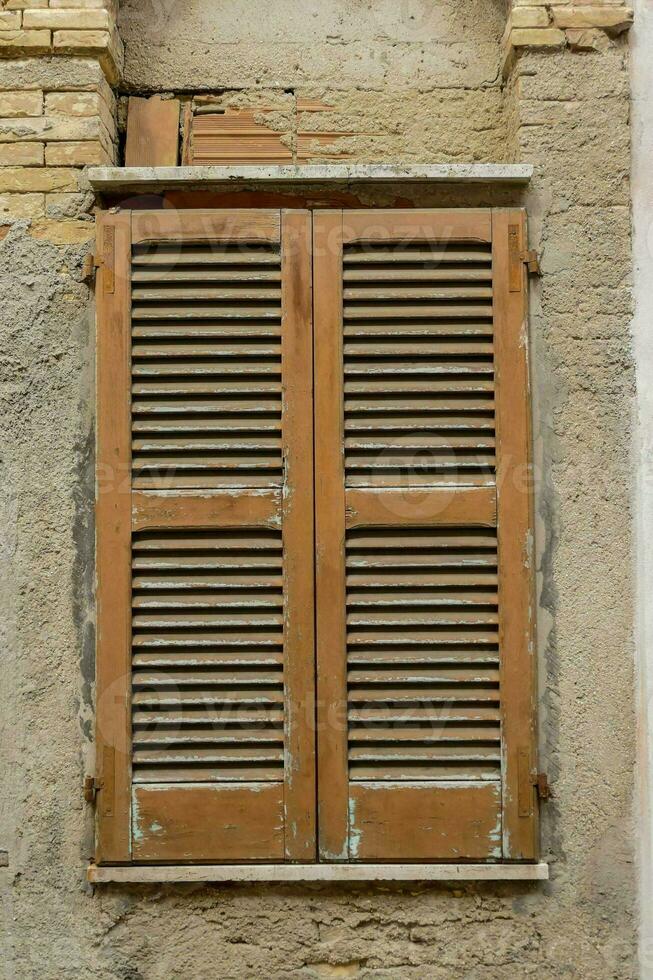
(315, 636)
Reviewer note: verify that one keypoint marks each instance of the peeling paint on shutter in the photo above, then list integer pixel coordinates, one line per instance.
(210, 328)
(219, 735)
(424, 652)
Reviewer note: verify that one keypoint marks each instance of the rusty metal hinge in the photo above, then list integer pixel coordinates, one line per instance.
(91, 263)
(531, 260)
(92, 786)
(541, 784)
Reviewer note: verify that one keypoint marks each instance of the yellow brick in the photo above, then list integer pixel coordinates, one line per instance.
(587, 3)
(73, 103)
(10, 20)
(38, 179)
(530, 17)
(21, 104)
(21, 154)
(545, 37)
(112, 62)
(74, 20)
(22, 205)
(76, 154)
(590, 39)
(63, 232)
(616, 18)
(106, 45)
(25, 4)
(81, 40)
(81, 105)
(51, 129)
(86, 4)
(14, 42)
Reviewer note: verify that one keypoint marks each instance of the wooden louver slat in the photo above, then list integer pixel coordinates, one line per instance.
(213, 372)
(410, 645)
(402, 355)
(406, 651)
(235, 632)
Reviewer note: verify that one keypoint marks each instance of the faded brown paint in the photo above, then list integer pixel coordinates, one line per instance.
(443, 821)
(229, 823)
(417, 225)
(516, 541)
(113, 521)
(299, 612)
(373, 542)
(226, 508)
(221, 597)
(205, 226)
(419, 512)
(333, 827)
(439, 505)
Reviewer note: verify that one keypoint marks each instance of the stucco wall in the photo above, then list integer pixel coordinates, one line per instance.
(431, 70)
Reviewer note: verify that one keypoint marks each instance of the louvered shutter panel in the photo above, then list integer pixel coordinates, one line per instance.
(424, 542)
(204, 537)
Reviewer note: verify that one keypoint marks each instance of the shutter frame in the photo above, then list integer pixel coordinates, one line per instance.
(340, 509)
(113, 531)
(515, 537)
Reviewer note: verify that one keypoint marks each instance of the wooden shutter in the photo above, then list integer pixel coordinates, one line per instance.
(204, 537)
(424, 540)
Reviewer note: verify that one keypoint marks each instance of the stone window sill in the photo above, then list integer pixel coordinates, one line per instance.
(144, 179)
(317, 872)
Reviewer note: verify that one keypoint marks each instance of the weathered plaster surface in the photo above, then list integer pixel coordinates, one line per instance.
(568, 114)
(415, 81)
(642, 135)
(346, 46)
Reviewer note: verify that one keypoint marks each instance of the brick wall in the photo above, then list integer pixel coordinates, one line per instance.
(58, 61)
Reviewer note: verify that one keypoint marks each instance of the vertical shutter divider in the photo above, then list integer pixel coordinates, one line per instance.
(299, 625)
(333, 788)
